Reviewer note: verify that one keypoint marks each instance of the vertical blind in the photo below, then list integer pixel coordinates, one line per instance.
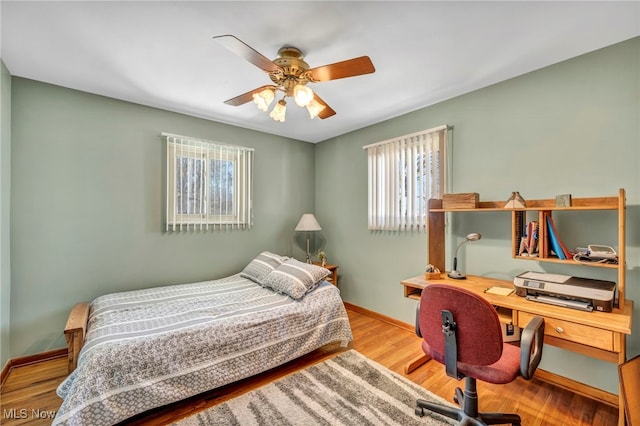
(209, 185)
(403, 173)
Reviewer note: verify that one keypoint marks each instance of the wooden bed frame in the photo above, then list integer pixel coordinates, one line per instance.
(75, 331)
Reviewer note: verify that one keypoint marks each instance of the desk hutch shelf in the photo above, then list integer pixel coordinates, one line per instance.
(545, 207)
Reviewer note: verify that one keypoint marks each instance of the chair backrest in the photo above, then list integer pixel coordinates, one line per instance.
(478, 329)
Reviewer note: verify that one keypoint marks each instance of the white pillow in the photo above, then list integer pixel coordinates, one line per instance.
(295, 278)
(262, 265)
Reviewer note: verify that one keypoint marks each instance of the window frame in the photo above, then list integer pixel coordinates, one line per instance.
(241, 188)
(393, 203)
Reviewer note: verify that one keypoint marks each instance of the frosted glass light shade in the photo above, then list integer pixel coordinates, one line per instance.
(302, 95)
(263, 99)
(315, 108)
(279, 111)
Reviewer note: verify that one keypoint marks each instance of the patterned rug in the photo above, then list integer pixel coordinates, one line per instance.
(348, 389)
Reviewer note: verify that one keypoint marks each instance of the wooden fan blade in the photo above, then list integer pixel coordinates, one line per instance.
(348, 68)
(245, 51)
(327, 111)
(246, 97)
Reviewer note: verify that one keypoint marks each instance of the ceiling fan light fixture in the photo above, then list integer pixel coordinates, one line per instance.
(279, 111)
(290, 74)
(315, 108)
(263, 99)
(302, 95)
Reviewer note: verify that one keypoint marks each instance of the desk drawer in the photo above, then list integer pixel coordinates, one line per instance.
(571, 331)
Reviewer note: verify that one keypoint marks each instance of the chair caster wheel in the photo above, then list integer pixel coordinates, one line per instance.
(458, 396)
(419, 412)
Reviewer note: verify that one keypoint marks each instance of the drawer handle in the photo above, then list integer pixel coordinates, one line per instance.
(560, 330)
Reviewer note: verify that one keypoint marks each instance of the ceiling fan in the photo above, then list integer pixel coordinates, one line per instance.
(290, 75)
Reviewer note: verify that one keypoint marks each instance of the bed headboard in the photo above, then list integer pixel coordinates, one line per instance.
(75, 331)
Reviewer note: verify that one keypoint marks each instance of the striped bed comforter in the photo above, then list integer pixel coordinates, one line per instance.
(148, 348)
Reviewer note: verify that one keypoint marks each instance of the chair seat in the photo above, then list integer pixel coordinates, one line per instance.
(505, 370)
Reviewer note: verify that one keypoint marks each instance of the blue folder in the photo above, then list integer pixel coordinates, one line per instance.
(555, 242)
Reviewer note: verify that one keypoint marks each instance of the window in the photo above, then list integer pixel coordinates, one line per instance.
(209, 185)
(403, 173)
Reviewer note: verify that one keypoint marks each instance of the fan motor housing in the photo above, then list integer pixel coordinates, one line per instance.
(290, 59)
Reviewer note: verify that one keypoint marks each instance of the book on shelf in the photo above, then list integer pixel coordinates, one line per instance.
(529, 241)
(555, 242)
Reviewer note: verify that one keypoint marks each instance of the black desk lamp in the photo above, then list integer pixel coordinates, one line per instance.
(455, 274)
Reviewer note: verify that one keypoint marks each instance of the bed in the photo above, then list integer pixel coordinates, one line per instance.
(148, 348)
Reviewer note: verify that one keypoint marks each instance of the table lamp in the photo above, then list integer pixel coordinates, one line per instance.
(455, 274)
(308, 224)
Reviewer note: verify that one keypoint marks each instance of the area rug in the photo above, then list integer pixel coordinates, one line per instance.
(348, 389)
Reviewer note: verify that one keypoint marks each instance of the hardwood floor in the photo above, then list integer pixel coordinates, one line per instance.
(28, 393)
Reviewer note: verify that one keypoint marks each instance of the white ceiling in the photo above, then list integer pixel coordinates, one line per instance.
(161, 53)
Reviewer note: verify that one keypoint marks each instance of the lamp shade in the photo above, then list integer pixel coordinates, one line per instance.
(278, 111)
(263, 99)
(302, 95)
(308, 222)
(315, 108)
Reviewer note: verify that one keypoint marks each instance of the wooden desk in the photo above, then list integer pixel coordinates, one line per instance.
(600, 335)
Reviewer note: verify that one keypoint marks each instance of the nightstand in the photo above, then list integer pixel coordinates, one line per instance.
(333, 278)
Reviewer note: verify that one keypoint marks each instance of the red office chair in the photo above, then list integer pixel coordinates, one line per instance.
(461, 330)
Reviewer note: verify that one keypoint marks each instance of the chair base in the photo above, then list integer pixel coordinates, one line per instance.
(468, 413)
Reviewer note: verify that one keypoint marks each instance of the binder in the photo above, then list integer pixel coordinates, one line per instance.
(556, 243)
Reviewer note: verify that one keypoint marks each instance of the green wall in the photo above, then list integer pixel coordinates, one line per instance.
(5, 199)
(569, 128)
(87, 210)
